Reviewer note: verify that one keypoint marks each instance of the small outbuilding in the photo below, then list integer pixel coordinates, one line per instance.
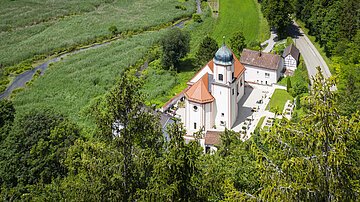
(291, 57)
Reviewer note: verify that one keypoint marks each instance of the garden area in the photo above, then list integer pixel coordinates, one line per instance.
(278, 100)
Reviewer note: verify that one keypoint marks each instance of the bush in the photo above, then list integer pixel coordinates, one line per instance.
(113, 29)
(196, 17)
(181, 7)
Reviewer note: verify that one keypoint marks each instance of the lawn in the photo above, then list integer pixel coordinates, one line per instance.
(48, 26)
(69, 85)
(258, 126)
(278, 100)
(245, 16)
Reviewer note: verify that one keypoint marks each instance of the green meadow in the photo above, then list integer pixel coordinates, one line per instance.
(29, 28)
(69, 86)
(244, 16)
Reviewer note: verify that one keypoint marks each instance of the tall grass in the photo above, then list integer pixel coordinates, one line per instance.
(92, 21)
(245, 16)
(69, 85)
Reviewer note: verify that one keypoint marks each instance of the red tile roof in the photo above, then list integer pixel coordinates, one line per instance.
(199, 92)
(260, 59)
(238, 67)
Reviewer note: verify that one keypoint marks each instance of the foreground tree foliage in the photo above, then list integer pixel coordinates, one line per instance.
(316, 159)
(134, 129)
(177, 174)
(33, 150)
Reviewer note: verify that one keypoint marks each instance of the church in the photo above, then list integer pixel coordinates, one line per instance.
(213, 93)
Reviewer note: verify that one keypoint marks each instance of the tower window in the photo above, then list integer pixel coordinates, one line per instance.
(267, 75)
(221, 77)
(233, 76)
(233, 91)
(195, 108)
(194, 125)
(222, 114)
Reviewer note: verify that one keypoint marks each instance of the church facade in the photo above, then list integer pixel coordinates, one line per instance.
(213, 93)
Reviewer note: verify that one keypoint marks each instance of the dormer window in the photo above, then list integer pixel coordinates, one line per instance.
(221, 77)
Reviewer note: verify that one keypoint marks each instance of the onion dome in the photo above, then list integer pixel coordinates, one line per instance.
(223, 56)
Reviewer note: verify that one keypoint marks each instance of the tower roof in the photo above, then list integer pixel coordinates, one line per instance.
(223, 56)
(199, 92)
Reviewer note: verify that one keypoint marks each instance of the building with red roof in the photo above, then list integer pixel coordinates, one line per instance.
(213, 93)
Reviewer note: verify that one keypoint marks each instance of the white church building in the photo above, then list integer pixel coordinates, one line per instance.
(213, 93)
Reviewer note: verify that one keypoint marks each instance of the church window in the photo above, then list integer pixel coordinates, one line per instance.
(233, 76)
(222, 114)
(195, 108)
(222, 123)
(221, 77)
(233, 91)
(195, 126)
(267, 75)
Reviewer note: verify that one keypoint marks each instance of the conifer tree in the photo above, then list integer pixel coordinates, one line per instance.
(313, 160)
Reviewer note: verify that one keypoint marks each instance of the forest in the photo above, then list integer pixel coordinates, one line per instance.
(46, 156)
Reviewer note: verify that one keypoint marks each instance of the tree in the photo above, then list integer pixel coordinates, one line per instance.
(288, 84)
(277, 12)
(207, 50)
(175, 45)
(135, 130)
(237, 43)
(7, 116)
(34, 149)
(177, 172)
(313, 160)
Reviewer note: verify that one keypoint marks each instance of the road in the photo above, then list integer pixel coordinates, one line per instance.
(311, 55)
(270, 42)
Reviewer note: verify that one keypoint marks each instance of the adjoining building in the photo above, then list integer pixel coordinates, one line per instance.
(261, 68)
(213, 93)
(291, 57)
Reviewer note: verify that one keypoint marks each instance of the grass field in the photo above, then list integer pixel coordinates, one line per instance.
(278, 100)
(68, 86)
(45, 30)
(245, 16)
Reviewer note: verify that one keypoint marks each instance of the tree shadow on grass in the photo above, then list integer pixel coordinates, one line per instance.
(187, 65)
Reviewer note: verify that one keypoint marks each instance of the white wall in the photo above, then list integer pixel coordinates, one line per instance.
(201, 74)
(221, 105)
(257, 75)
(202, 116)
(290, 63)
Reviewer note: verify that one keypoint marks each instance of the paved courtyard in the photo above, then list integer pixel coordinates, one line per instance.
(251, 110)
